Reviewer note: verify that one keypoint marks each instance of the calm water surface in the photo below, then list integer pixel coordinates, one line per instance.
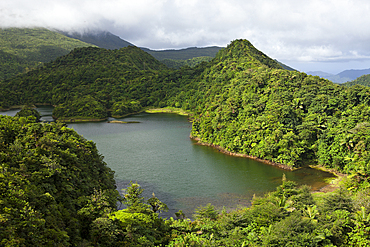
(159, 155)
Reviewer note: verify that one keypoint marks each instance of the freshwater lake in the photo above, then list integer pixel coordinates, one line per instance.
(158, 154)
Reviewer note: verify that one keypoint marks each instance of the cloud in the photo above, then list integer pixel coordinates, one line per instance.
(290, 30)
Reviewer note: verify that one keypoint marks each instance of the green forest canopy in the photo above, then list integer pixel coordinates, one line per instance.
(362, 80)
(56, 189)
(242, 101)
(53, 183)
(23, 49)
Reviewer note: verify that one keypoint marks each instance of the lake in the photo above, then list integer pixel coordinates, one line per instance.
(158, 154)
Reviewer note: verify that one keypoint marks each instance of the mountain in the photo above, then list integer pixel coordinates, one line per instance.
(362, 80)
(177, 64)
(90, 76)
(23, 49)
(56, 189)
(342, 77)
(334, 78)
(110, 41)
(354, 73)
(320, 74)
(285, 66)
(102, 39)
(243, 101)
(184, 54)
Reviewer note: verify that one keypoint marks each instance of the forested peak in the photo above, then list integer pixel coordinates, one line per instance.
(130, 56)
(243, 52)
(362, 80)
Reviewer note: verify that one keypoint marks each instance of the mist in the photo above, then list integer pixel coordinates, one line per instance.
(331, 34)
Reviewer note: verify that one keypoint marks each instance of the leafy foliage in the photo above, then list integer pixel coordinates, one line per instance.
(242, 100)
(128, 74)
(85, 107)
(57, 188)
(27, 111)
(362, 80)
(184, 54)
(32, 48)
(122, 108)
(176, 64)
(48, 174)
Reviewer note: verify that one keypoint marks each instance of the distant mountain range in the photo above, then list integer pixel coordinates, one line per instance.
(110, 41)
(362, 80)
(102, 39)
(36, 46)
(342, 77)
(173, 58)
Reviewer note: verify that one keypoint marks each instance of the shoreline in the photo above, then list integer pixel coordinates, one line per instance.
(178, 111)
(79, 120)
(331, 185)
(122, 122)
(222, 150)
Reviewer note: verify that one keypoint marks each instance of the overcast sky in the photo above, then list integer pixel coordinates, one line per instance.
(326, 35)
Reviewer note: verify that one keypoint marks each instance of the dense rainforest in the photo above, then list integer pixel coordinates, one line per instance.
(242, 101)
(23, 49)
(56, 190)
(362, 80)
(53, 183)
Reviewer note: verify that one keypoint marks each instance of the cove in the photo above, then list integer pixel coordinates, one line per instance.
(156, 152)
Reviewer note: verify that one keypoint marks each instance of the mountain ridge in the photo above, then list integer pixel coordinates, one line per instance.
(102, 39)
(32, 48)
(341, 77)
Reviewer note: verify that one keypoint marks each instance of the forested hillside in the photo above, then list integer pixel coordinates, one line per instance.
(362, 80)
(242, 100)
(184, 54)
(56, 190)
(101, 39)
(22, 49)
(53, 184)
(93, 80)
(244, 103)
(176, 64)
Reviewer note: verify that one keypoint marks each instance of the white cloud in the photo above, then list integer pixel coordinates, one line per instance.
(291, 30)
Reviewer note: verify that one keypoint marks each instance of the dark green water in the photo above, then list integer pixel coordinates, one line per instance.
(158, 154)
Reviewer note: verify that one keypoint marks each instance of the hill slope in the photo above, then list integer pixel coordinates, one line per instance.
(184, 54)
(56, 190)
(93, 76)
(47, 183)
(354, 73)
(23, 49)
(342, 77)
(243, 101)
(102, 39)
(246, 104)
(362, 80)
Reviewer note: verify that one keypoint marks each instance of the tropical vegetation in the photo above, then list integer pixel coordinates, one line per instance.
(362, 80)
(23, 49)
(57, 187)
(53, 184)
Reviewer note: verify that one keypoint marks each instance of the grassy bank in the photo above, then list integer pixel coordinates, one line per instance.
(79, 119)
(169, 110)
